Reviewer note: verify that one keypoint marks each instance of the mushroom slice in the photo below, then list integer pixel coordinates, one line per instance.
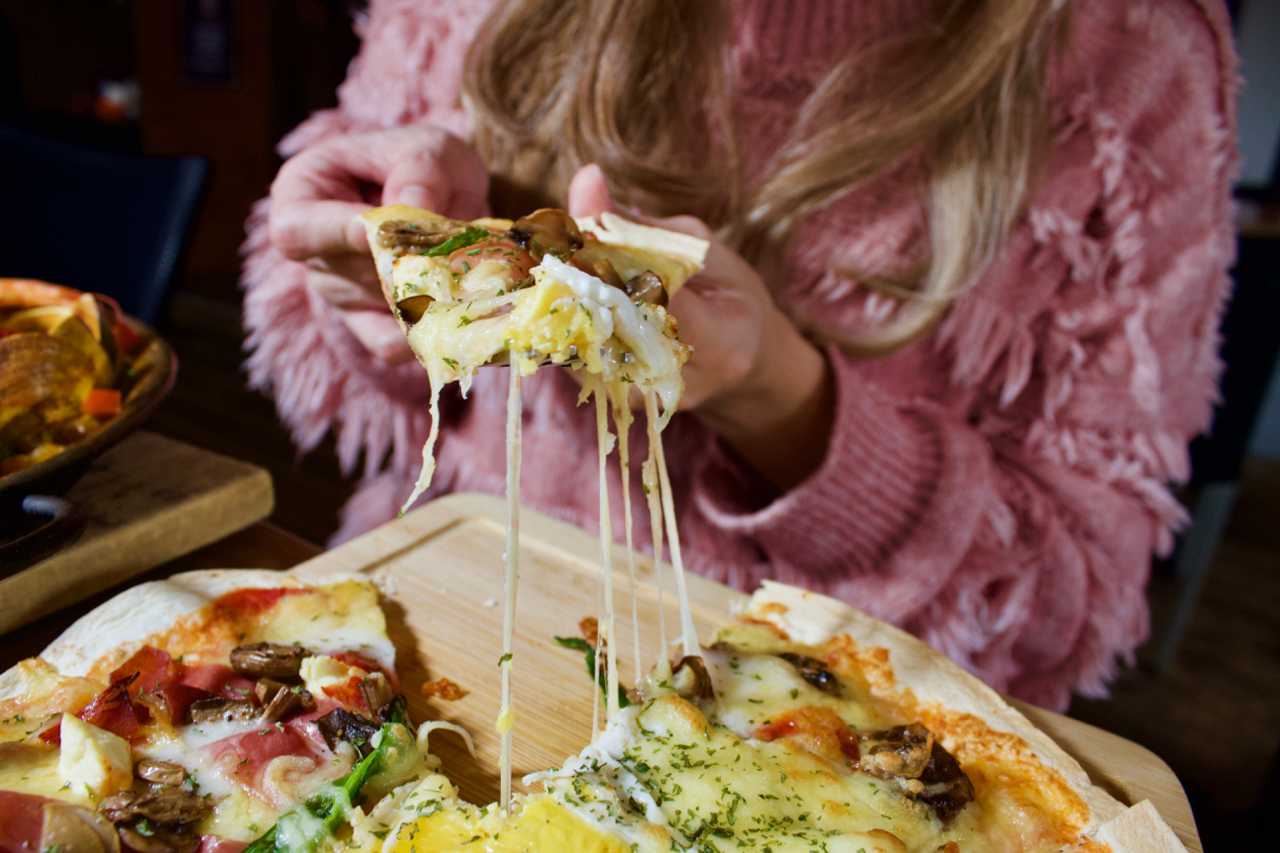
(160, 772)
(71, 829)
(146, 838)
(286, 702)
(266, 689)
(342, 725)
(691, 679)
(268, 660)
(167, 805)
(922, 766)
(223, 711)
(900, 751)
(648, 288)
(404, 237)
(601, 268)
(814, 671)
(547, 230)
(412, 308)
(377, 692)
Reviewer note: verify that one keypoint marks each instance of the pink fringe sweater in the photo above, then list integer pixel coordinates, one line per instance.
(997, 487)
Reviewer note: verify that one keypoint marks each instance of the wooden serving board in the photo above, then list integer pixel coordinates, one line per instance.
(149, 499)
(440, 569)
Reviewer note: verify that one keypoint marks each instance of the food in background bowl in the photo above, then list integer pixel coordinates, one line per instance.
(68, 361)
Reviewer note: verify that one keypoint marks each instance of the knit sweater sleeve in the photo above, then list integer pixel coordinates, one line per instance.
(409, 69)
(1007, 511)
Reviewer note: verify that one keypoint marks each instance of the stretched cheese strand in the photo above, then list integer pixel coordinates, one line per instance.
(653, 496)
(610, 645)
(436, 376)
(511, 556)
(622, 420)
(690, 638)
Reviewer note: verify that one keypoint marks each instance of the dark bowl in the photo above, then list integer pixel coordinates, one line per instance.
(157, 369)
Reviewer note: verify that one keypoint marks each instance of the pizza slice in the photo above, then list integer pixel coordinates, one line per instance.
(208, 711)
(544, 289)
(806, 725)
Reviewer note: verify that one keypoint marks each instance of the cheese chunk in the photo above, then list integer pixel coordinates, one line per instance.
(94, 758)
(321, 671)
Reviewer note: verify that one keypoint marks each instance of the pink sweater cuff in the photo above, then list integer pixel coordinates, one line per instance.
(860, 505)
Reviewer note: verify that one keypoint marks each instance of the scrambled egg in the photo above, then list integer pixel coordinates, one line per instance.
(541, 824)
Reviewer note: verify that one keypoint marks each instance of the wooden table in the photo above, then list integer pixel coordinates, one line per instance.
(149, 499)
(1126, 770)
(260, 546)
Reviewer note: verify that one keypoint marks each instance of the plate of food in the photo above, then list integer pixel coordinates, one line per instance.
(76, 376)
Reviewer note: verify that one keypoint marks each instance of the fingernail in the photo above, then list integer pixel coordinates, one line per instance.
(413, 196)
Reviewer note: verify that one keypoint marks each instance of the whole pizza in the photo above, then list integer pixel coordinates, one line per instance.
(231, 710)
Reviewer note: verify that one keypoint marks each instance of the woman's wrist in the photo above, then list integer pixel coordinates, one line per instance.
(779, 418)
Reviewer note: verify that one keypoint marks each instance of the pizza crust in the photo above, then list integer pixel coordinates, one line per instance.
(123, 623)
(675, 256)
(931, 677)
(1140, 830)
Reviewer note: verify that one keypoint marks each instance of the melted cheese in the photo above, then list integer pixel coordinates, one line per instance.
(33, 769)
(663, 775)
(540, 826)
(511, 579)
(338, 617)
(320, 671)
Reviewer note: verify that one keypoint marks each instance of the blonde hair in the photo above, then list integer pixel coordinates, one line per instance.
(640, 87)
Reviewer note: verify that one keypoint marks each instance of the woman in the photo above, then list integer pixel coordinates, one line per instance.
(957, 329)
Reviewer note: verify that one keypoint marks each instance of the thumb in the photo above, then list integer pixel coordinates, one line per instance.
(589, 193)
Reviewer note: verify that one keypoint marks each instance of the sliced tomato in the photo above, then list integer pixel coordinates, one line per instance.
(466, 259)
(175, 700)
(249, 602)
(127, 339)
(348, 693)
(368, 664)
(101, 403)
(153, 667)
(816, 729)
(115, 711)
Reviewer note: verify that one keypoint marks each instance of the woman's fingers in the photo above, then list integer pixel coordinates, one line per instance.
(436, 171)
(319, 192)
(302, 230)
(379, 333)
(346, 281)
(589, 193)
(317, 195)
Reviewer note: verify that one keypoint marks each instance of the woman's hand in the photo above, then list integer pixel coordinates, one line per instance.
(319, 192)
(753, 378)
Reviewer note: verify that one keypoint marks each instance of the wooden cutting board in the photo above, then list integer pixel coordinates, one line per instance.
(149, 499)
(441, 569)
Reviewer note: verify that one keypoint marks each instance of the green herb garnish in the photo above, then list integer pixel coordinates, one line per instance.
(583, 646)
(456, 242)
